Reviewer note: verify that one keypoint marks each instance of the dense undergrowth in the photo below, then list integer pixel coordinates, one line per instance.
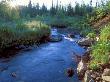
(28, 32)
(101, 50)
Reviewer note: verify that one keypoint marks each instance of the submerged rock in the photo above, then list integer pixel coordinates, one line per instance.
(55, 38)
(85, 42)
(70, 72)
(13, 74)
(71, 35)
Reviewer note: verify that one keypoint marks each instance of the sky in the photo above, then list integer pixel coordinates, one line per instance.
(49, 2)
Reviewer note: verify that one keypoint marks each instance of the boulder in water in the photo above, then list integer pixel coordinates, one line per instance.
(85, 42)
(70, 72)
(55, 38)
(71, 35)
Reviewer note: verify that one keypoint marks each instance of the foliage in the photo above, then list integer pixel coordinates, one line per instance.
(101, 50)
(69, 10)
(105, 34)
(99, 12)
(80, 24)
(91, 35)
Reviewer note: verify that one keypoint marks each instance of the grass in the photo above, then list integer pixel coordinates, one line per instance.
(101, 50)
(23, 33)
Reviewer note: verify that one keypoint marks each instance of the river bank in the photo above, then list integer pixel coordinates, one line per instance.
(97, 67)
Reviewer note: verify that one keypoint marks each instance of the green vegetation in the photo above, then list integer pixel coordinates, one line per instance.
(99, 12)
(91, 35)
(8, 13)
(101, 50)
(23, 33)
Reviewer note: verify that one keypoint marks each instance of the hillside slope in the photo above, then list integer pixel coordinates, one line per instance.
(101, 22)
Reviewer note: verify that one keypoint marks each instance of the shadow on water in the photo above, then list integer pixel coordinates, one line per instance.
(46, 63)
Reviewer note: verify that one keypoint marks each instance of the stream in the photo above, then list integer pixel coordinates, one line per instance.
(46, 63)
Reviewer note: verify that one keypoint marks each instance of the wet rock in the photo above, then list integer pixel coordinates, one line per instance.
(85, 42)
(77, 58)
(82, 67)
(86, 57)
(70, 72)
(55, 38)
(87, 77)
(88, 51)
(106, 75)
(71, 35)
(21, 47)
(13, 74)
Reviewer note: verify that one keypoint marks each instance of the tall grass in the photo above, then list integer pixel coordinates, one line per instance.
(101, 50)
(23, 33)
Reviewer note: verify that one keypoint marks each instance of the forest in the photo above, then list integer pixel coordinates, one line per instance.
(25, 26)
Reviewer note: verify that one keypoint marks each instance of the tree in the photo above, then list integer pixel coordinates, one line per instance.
(30, 9)
(70, 10)
(77, 9)
(37, 9)
(53, 10)
(43, 9)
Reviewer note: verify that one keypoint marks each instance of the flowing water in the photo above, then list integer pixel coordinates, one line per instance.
(46, 63)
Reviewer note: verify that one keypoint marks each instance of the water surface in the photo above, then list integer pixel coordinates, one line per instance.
(46, 63)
